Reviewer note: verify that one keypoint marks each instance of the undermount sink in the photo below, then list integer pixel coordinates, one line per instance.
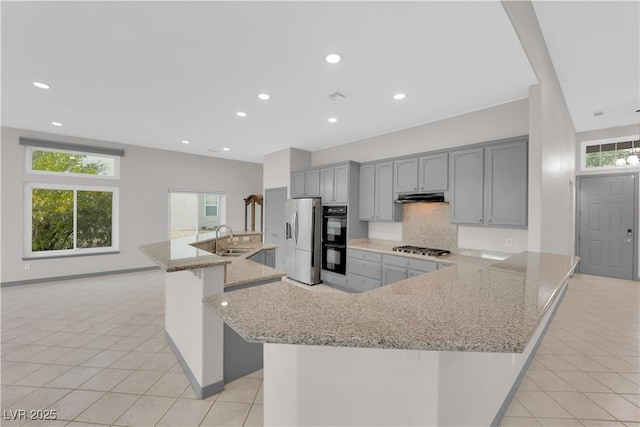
(233, 251)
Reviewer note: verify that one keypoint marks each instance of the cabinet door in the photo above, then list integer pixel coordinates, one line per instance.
(467, 181)
(506, 184)
(326, 185)
(405, 174)
(313, 183)
(392, 274)
(361, 284)
(298, 184)
(367, 192)
(259, 258)
(341, 184)
(433, 172)
(384, 191)
(270, 258)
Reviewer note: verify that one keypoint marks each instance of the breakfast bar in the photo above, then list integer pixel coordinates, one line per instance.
(443, 348)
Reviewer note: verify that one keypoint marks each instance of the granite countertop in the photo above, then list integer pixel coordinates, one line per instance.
(470, 306)
(187, 254)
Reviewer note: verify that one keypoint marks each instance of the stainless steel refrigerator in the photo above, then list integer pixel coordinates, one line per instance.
(302, 245)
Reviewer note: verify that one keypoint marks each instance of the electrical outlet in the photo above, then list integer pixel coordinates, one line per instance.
(27, 266)
(508, 242)
(245, 239)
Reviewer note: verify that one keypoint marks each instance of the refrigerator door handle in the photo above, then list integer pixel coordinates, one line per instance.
(295, 228)
(287, 230)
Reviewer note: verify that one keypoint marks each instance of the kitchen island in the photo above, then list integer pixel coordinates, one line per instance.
(209, 352)
(443, 348)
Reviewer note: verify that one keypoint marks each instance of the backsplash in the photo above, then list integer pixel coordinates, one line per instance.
(427, 224)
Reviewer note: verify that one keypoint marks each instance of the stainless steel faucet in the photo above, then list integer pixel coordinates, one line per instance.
(218, 233)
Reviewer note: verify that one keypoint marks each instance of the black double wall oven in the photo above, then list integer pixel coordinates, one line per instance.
(334, 239)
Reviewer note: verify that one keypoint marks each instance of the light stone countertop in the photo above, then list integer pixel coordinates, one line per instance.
(181, 254)
(470, 306)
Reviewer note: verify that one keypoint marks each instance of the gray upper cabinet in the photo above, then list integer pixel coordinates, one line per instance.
(376, 193)
(367, 192)
(489, 184)
(385, 209)
(405, 172)
(305, 184)
(298, 184)
(467, 182)
(506, 184)
(334, 185)
(433, 172)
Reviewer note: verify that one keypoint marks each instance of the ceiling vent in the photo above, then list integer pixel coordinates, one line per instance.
(336, 96)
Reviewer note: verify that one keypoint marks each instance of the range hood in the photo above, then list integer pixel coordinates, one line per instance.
(420, 198)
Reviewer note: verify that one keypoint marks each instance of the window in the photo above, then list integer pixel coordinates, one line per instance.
(72, 218)
(68, 220)
(193, 213)
(610, 154)
(211, 204)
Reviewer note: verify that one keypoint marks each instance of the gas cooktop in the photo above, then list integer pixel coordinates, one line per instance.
(417, 250)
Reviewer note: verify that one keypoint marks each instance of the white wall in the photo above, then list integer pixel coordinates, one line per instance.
(502, 121)
(552, 143)
(279, 165)
(146, 176)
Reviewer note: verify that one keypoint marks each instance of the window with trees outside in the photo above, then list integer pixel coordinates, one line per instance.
(71, 218)
(611, 154)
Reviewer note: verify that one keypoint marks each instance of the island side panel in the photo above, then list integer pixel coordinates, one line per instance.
(315, 385)
(195, 330)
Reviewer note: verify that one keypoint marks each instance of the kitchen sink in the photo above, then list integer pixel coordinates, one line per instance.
(233, 251)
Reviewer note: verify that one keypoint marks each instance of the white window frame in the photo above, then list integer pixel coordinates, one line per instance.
(29, 163)
(583, 153)
(115, 222)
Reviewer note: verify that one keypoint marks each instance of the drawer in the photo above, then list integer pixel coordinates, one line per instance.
(369, 269)
(410, 263)
(333, 278)
(361, 284)
(365, 255)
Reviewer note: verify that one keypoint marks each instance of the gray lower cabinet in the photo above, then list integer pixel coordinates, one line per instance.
(397, 268)
(363, 270)
(305, 183)
(467, 183)
(265, 257)
(506, 184)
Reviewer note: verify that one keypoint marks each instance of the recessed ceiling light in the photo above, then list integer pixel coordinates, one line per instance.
(225, 149)
(332, 120)
(263, 96)
(333, 58)
(241, 114)
(56, 123)
(41, 85)
(184, 141)
(399, 96)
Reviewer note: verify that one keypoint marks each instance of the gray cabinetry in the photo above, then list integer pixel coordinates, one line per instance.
(405, 175)
(433, 172)
(363, 270)
(467, 182)
(334, 185)
(265, 257)
(367, 192)
(506, 184)
(397, 268)
(489, 184)
(305, 184)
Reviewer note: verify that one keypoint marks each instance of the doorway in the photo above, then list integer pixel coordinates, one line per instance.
(274, 201)
(606, 225)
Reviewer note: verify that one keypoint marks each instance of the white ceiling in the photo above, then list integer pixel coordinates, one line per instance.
(156, 73)
(595, 49)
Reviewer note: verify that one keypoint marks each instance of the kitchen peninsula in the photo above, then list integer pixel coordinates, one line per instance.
(443, 348)
(210, 352)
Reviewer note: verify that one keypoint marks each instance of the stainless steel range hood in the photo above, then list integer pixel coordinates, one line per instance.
(420, 198)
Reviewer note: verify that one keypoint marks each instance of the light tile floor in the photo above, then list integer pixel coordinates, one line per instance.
(93, 349)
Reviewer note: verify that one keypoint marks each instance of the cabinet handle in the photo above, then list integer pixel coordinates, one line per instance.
(480, 220)
(415, 188)
(421, 188)
(489, 220)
